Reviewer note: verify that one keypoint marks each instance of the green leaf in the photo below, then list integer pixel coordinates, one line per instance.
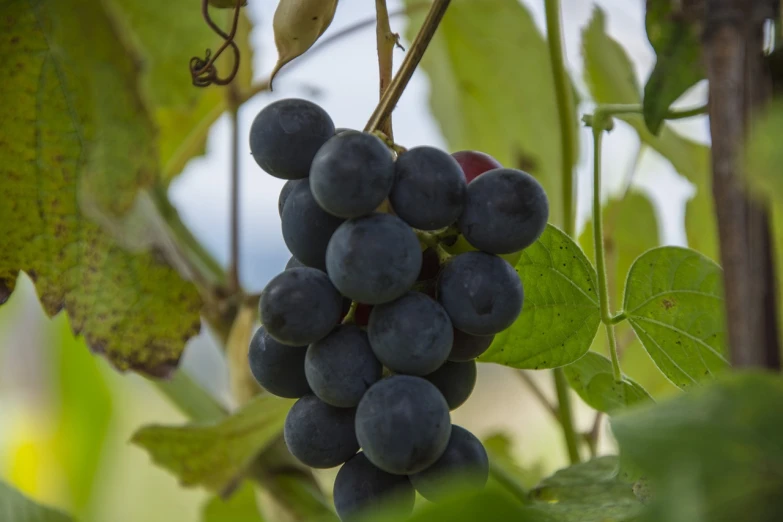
(591, 377)
(762, 162)
(676, 38)
(610, 75)
(70, 88)
(674, 302)
(240, 507)
(214, 455)
(15, 507)
(630, 229)
(560, 315)
(467, 506)
(484, 95)
(588, 492)
(713, 454)
(500, 450)
(763, 155)
(183, 113)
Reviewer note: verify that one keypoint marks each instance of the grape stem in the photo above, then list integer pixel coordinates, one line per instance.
(565, 108)
(599, 123)
(386, 40)
(233, 102)
(350, 317)
(431, 240)
(398, 149)
(412, 58)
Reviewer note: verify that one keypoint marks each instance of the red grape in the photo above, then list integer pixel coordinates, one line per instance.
(475, 163)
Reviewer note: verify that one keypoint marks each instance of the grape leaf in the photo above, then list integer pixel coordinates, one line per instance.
(215, 454)
(630, 229)
(713, 454)
(500, 451)
(588, 492)
(592, 379)
(240, 507)
(15, 507)
(674, 302)
(611, 79)
(483, 102)
(183, 113)
(762, 162)
(560, 314)
(676, 38)
(70, 88)
(465, 506)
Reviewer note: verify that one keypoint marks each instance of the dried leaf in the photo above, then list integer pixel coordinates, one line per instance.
(298, 24)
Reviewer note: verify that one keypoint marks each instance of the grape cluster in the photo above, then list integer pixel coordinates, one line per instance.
(372, 326)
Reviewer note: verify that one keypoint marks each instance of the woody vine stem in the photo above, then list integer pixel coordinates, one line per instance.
(412, 58)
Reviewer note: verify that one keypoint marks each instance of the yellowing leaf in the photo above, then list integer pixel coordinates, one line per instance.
(78, 130)
(298, 24)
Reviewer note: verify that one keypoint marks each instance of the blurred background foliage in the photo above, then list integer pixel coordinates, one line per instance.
(68, 416)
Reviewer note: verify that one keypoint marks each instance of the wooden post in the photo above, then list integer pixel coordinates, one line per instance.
(739, 87)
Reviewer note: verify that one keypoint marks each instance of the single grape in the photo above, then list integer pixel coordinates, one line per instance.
(360, 486)
(319, 435)
(411, 335)
(455, 380)
(465, 460)
(373, 259)
(467, 347)
(506, 211)
(294, 263)
(475, 163)
(403, 424)
(278, 368)
(288, 187)
(429, 188)
(300, 306)
(286, 134)
(341, 366)
(481, 293)
(352, 174)
(306, 227)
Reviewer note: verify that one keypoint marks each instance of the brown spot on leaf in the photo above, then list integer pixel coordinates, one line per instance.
(524, 161)
(668, 304)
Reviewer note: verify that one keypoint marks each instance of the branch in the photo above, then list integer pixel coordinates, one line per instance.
(409, 64)
(234, 102)
(566, 418)
(539, 395)
(566, 112)
(739, 87)
(386, 40)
